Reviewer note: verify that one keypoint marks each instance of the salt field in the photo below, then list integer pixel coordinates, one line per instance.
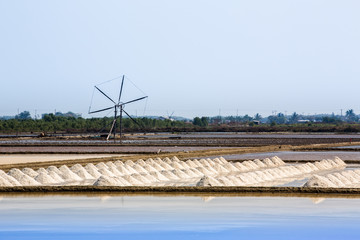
(177, 217)
(195, 172)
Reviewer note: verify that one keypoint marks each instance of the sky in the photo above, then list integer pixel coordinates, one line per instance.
(191, 58)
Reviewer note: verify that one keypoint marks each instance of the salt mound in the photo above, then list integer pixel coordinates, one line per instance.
(139, 168)
(159, 176)
(196, 172)
(190, 173)
(181, 174)
(339, 161)
(320, 182)
(185, 166)
(158, 167)
(141, 178)
(10, 179)
(326, 164)
(246, 178)
(101, 165)
(217, 160)
(42, 170)
(84, 174)
(259, 163)
(177, 165)
(25, 180)
(115, 171)
(149, 177)
(149, 168)
(129, 163)
(175, 159)
(320, 166)
(208, 181)
(220, 169)
(167, 160)
(225, 181)
(119, 163)
(107, 181)
(132, 180)
(250, 165)
(76, 167)
(124, 170)
(55, 176)
(253, 164)
(149, 161)
(236, 181)
(350, 176)
(68, 175)
(204, 171)
(312, 167)
(106, 172)
(343, 179)
(223, 160)
(241, 167)
(277, 161)
(212, 170)
(166, 166)
(30, 172)
(130, 169)
(110, 164)
(44, 179)
(269, 163)
(211, 162)
(230, 167)
(92, 170)
(170, 175)
(335, 180)
(4, 182)
(204, 162)
(53, 168)
(16, 173)
(140, 162)
(191, 164)
(196, 162)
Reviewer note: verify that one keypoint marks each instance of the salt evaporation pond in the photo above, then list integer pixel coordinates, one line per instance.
(173, 217)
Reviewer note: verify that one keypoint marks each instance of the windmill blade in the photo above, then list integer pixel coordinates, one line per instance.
(135, 100)
(105, 94)
(121, 88)
(132, 119)
(101, 110)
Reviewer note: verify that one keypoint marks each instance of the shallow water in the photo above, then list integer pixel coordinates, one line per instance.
(299, 156)
(155, 217)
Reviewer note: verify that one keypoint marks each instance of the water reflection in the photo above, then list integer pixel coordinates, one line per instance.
(177, 217)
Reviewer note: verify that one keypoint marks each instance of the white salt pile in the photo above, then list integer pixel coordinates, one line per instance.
(208, 181)
(107, 181)
(30, 172)
(319, 181)
(68, 175)
(4, 182)
(92, 170)
(173, 172)
(45, 179)
(55, 176)
(348, 178)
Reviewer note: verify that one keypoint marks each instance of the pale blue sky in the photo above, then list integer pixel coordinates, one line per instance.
(191, 57)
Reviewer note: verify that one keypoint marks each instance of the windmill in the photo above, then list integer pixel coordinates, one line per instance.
(118, 108)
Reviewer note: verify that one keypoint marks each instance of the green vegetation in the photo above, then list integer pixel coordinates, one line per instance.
(73, 123)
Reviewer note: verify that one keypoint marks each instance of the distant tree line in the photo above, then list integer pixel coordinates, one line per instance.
(74, 123)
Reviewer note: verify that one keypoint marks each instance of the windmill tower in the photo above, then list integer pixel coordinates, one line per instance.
(118, 107)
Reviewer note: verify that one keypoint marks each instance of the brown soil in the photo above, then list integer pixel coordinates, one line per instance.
(214, 191)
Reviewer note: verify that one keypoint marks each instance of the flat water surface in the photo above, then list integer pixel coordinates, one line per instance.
(178, 217)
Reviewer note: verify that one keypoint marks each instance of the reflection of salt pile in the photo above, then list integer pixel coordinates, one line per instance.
(173, 172)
